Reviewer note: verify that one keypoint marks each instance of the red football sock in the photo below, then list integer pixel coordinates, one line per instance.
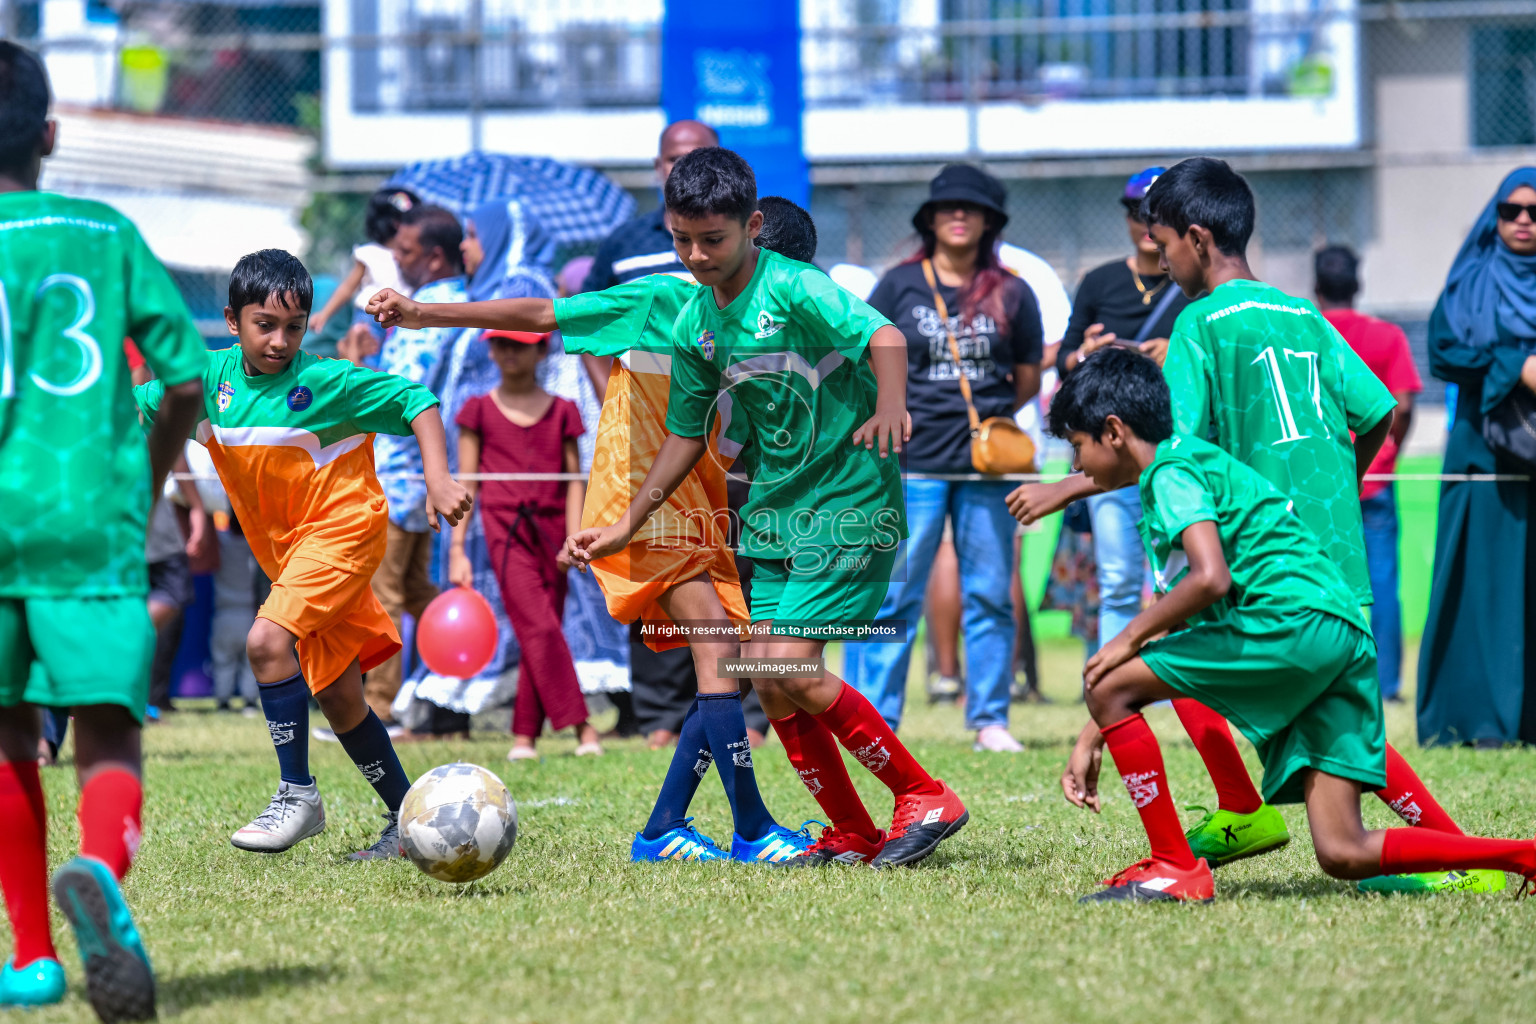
(109, 819)
(1405, 850)
(24, 861)
(813, 752)
(1139, 760)
(1213, 739)
(1406, 794)
(873, 743)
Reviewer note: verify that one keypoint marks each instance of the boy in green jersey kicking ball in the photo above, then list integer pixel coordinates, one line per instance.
(1275, 641)
(820, 379)
(1264, 376)
(76, 485)
(679, 573)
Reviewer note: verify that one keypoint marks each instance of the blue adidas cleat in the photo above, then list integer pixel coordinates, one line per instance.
(780, 846)
(118, 978)
(682, 843)
(40, 983)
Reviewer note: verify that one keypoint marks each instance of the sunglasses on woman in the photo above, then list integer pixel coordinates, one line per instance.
(1511, 211)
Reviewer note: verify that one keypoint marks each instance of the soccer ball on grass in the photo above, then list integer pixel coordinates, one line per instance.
(458, 822)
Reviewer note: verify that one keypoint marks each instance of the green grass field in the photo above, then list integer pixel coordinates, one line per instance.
(568, 930)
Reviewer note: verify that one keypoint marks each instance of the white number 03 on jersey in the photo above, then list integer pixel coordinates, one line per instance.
(90, 352)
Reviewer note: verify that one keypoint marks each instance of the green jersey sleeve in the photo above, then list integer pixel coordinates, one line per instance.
(695, 386)
(1366, 398)
(1179, 500)
(609, 322)
(148, 396)
(832, 315)
(158, 320)
(384, 403)
(1189, 382)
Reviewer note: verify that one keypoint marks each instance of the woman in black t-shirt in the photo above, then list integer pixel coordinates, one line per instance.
(996, 323)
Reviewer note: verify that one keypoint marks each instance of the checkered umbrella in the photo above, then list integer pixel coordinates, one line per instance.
(574, 205)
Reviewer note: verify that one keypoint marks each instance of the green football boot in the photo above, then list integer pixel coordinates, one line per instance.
(40, 983)
(118, 978)
(1482, 880)
(1222, 837)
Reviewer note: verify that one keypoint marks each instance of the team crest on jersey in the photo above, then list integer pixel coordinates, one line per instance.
(226, 395)
(767, 327)
(300, 398)
(707, 343)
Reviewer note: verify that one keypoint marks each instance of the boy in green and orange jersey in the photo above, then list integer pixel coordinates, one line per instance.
(291, 435)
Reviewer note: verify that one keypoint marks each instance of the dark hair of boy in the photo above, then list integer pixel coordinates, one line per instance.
(787, 229)
(23, 108)
(438, 229)
(385, 208)
(1114, 381)
(1205, 191)
(712, 181)
(1337, 274)
(268, 273)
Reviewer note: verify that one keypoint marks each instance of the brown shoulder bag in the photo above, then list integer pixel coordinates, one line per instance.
(997, 443)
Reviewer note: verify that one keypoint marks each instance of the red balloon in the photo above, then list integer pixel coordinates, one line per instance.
(457, 633)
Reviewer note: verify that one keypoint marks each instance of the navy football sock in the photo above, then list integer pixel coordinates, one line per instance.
(368, 745)
(727, 732)
(286, 705)
(689, 764)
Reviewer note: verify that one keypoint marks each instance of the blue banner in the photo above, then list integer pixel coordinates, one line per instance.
(735, 65)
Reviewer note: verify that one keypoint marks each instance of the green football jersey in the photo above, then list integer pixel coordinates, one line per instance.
(1262, 375)
(75, 280)
(1277, 563)
(636, 315)
(788, 356)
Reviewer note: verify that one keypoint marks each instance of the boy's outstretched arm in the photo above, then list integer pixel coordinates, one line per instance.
(445, 495)
(890, 426)
(1029, 503)
(674, 461)
(179, 408)
(392, 309)
(1368, 444)
(1080, 779)
(1207, 582)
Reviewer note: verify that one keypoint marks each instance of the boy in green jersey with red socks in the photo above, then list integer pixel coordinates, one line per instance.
(1261, 374)
(77, 481)
(820, 379)
(1265, 630)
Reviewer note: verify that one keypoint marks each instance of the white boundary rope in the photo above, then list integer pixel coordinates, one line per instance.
(1453, 478)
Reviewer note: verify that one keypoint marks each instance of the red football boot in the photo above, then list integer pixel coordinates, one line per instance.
(1151, 881)
(920, 824)
(838, 847)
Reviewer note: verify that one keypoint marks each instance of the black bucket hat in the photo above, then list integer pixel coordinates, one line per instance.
(967, 184)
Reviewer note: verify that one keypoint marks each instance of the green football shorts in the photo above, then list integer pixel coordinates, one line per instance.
(822, 593)
(1300, 685)
(92, 650)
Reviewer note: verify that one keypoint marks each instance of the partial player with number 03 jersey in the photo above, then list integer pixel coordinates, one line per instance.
(291, 435)
(76, 485)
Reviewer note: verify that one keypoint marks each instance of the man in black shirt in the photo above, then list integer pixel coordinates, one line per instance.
(1124, 302)
(643, 245)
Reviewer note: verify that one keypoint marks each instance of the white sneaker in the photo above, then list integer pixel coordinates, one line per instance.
(323, 734)
(294, 814)
(996, 739)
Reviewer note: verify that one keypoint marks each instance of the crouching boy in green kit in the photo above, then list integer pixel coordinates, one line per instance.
(1275, 641)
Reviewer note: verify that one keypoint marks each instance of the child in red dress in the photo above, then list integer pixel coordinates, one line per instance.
(519, 428)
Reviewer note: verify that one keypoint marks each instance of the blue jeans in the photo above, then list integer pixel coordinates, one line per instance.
(1379, 516)
(983, 532)
(1122, 563)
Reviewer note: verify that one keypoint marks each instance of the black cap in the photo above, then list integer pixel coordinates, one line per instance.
(967, 184)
